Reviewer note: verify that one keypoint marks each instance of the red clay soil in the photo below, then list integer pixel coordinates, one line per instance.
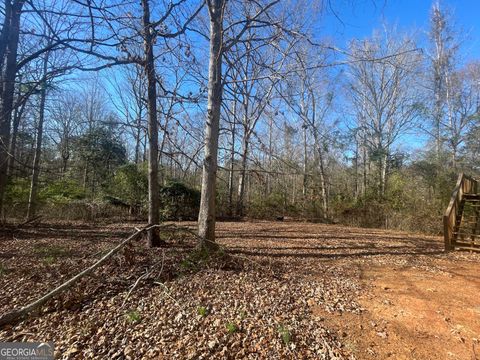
(288, 291)
(416, 314)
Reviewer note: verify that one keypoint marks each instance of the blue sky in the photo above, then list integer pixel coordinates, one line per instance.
(357, 19)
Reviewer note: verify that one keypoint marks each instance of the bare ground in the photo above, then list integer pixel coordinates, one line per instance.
(288, 290)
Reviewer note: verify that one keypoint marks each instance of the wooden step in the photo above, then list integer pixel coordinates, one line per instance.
(469, 222)
(466, 243)
(461, 233)
(464, 247)
(471, 197)
(462, 215)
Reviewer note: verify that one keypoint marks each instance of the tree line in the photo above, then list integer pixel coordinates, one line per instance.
(230, 108)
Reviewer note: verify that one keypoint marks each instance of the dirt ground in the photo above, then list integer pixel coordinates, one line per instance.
(288, 291)
(416, 314)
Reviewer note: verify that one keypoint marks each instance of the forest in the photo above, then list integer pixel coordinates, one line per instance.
(245, 146)
(306, 130)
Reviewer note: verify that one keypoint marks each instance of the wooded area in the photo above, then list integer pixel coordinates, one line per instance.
(256, 157)
(104, 106)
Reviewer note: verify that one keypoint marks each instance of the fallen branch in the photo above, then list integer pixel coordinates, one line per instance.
(135, 286)
(12, 229)
(147, 273)
(167, 292)
(28, 221)
(17, 336)
(19, 313)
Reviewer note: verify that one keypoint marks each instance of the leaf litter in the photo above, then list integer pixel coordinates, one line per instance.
(265, 297)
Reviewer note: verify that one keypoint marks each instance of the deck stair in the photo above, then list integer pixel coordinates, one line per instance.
(462, 218)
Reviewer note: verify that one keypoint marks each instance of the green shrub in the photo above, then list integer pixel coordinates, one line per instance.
(3, 270)
(133, 316)
(61, 191)
(56, 198)
(195, 260)
(49, 260)
(179, 202)
(17, 192)
(231, 328)
(202, 311)
(270, 207)
(129, 186)
(285, 334)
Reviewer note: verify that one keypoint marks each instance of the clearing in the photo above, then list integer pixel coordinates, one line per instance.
(288, 290)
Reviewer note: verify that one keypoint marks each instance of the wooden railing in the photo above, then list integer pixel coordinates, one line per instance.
(451, 219)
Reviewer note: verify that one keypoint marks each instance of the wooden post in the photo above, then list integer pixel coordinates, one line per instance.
(450, 217)
(447, 233)
(465, 185)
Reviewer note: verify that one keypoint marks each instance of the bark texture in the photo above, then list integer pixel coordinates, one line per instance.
(206, 215)
(153, 189)
(8, 66)
(32, 199)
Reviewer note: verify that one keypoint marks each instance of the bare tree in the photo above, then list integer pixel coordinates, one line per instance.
(382, 77)
(444, 48)
(309, 96)
(9, 37)
(206, 215)
(257, 70)
(64, 125)
(19, 110)
(464, 105)
(254, 15)
(149, 66)
(32, 199)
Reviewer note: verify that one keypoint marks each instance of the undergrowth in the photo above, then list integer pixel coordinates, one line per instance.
(200, 259)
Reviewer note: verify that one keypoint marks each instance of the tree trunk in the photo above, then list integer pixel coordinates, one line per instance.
(161, 152)
(454, 156)
(323, 179)
(232, 162)
(85, 176)
(153, 190)
(242, 179)
(144, 145)
(138, 139)
(17, 116)
(356, 190)
(32, 200)
(323, 184)
(206, 215)
(364, 148)
(8, 58)
(383, 175)
(438, 121)
(268, 185)
(65, 164)
(305, 155)
(437, 89)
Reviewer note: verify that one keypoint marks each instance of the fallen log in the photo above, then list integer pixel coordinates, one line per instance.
(20, 313)
(28, 221)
